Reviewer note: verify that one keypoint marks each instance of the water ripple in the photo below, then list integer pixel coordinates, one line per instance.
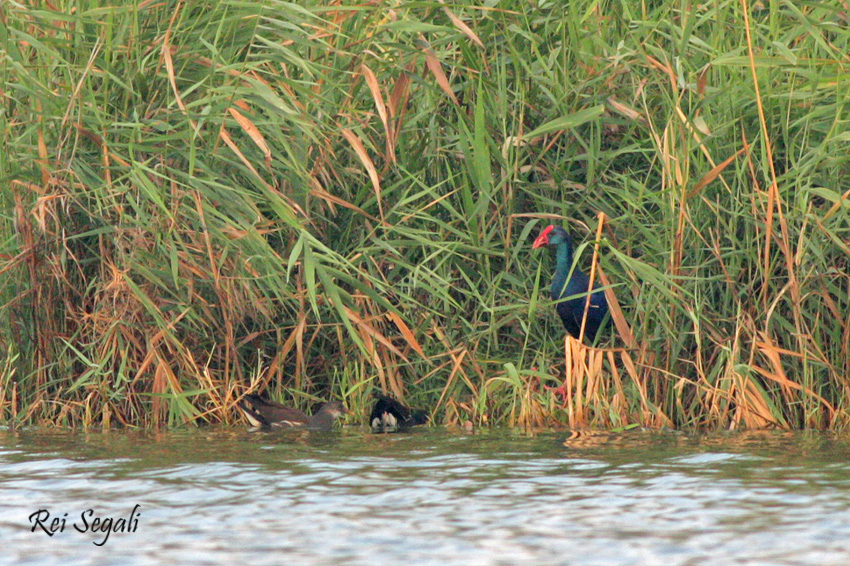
(432, 498)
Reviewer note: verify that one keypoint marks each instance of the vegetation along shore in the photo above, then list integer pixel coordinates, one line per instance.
(318, 201)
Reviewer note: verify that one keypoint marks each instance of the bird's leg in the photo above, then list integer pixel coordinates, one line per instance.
(559, 391)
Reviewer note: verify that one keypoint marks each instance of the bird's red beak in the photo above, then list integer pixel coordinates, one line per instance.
(542, 239)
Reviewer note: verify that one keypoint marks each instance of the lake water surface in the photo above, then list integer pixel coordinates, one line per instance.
(224, 496)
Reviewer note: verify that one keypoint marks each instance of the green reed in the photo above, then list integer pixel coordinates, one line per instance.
(320, 199)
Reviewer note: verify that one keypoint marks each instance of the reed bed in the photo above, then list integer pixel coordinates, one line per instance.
(322, 199)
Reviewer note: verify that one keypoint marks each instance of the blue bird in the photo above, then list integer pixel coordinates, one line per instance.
(575, 285)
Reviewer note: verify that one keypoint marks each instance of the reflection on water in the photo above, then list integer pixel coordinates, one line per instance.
(431, 497)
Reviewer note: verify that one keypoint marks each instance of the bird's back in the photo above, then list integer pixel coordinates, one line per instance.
(261, 412)
(388, 414)
(572, 310)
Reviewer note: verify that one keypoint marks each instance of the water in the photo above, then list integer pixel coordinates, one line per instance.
(432, 497)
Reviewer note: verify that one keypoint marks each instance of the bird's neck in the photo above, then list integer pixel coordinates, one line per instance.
(563, 264)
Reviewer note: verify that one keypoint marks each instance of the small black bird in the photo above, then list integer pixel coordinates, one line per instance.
(388, 415)
(566, 285)
(263, 413)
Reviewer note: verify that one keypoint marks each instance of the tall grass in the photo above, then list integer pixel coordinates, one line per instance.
(325, 198)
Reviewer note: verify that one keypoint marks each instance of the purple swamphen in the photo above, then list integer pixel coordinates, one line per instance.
(570, 287)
